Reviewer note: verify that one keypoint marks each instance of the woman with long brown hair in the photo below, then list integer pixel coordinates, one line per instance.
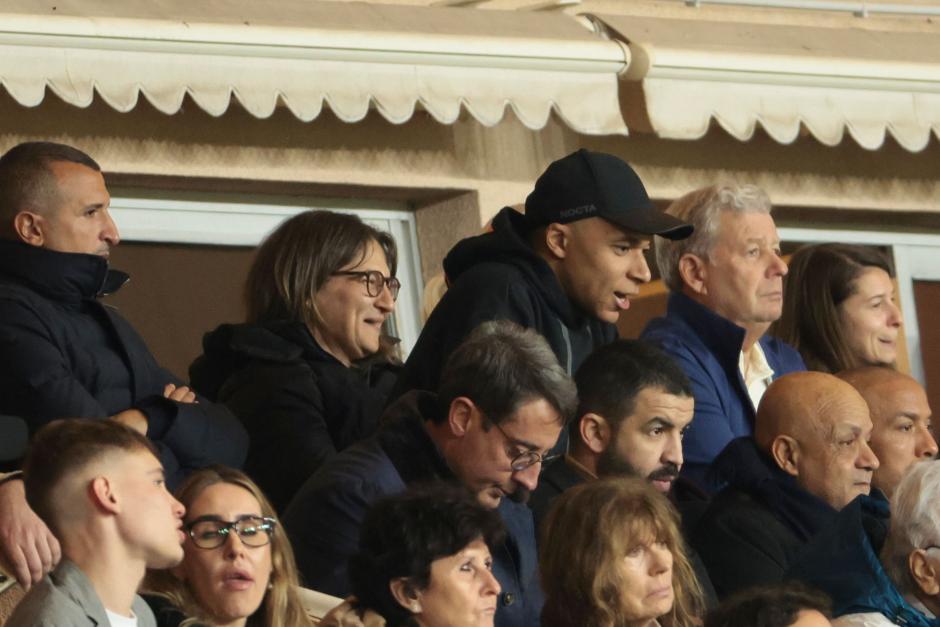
(839, 308)
(612, 556)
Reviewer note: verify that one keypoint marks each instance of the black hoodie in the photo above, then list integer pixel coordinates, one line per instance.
(498, 276)
(299, 403)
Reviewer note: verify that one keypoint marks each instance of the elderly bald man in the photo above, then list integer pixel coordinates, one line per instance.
(900, 414)
(809, 457)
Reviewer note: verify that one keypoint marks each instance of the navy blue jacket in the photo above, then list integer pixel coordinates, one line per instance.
(842, 561)
(63, 354)
(324, 517)
(708, 348)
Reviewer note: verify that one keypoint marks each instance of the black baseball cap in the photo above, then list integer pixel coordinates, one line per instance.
(589, 184)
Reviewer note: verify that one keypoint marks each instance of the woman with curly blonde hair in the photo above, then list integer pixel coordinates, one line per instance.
(238, 567)
(612, 556)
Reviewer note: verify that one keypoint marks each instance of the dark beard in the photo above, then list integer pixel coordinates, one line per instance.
(610, 465)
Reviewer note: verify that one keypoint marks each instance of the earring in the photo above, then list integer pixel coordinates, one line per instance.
(415, 607)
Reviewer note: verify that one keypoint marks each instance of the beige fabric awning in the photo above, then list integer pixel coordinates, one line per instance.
(301, 54)
(828, 80)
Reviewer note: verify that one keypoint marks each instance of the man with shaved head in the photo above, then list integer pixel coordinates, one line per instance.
(809, 457)
(901, 418)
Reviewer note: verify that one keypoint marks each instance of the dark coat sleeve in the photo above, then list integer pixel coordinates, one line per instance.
(742, 545)
(515, 565)
(323, 522)
(36, 379)
(283, 411)
(197, 434)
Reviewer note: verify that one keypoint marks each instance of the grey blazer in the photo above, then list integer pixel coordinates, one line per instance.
(66, 598)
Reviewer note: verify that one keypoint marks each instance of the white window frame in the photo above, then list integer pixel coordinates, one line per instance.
(916, 258)
(177, 217)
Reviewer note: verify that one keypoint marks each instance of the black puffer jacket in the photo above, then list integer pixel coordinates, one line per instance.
(755, 526)
(65, 355)
(298, 402)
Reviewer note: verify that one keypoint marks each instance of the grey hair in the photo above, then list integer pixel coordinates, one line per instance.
(702, 209)
(502, 366)
(914, 521)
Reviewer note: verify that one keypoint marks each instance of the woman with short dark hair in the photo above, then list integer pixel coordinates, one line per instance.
(611, 555)
(839, 310)
(425, 560)
(309, 372)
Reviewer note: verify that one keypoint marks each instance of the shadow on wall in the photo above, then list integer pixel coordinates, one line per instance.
(178, 292)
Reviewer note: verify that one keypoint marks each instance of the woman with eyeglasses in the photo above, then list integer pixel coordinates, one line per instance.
(237, 569)
(309, 372)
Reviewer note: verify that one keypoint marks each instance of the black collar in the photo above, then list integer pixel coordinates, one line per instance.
(405, 439)
(63, 277)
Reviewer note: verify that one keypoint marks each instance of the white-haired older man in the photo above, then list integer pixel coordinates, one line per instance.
(726, 288)
(903, 586)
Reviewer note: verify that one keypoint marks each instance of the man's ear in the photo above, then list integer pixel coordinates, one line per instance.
(405, 594)
(103, 495)
(693, 271)
(925, 575)
(29, 228)
(459, 415)
(786, 453)
(557, 238)
(595, 432)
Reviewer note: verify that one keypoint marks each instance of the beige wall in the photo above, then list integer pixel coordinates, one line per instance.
(424, 162)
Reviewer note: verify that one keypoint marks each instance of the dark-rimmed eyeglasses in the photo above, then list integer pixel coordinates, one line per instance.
(211, 533)
(374, 281)
(526, 458)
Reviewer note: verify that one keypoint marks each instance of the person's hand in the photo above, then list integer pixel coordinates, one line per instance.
(346, 615)
(133, 418)
(27, 547)
(181, 394)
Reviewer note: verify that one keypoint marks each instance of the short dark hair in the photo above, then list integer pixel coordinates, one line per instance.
(500, 367)
(403, 534)
(769, 606)
(300, 256)
(63, 447)
(612, 376)
(27, 182)
(821, 278)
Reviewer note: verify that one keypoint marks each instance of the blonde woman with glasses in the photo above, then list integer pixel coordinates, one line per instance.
(238, 568)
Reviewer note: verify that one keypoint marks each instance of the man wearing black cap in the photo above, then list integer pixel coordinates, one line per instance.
(567, 268)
